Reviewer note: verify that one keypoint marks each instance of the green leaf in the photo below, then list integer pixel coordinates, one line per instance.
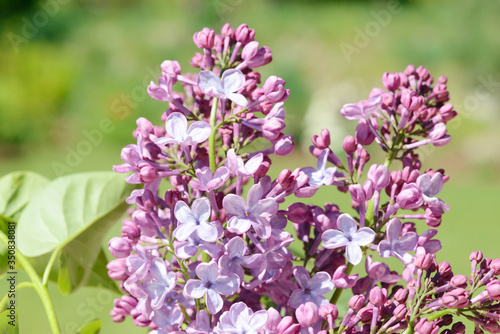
(92, 327)
(72, 215)
(99, 275)
(9, 323)
(17, 189)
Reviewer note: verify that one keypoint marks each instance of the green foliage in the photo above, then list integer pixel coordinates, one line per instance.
(5, 327)
(71, 216)
(93, 327)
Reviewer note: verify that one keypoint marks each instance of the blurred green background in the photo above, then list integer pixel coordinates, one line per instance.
(69, 66)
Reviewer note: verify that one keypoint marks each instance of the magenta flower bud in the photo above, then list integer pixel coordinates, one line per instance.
(227, 31)
(130, 230)
(307, 314)
(117, 269)
(264, 167)
(400, 311)
(119, 247)
(410, 70)
(459, 281)
(286, 179)
(328, 310)
(426, 327)
(172, 197)
(254, 56)
(356, 302)
(411, 100)
(424, 261)
(364, 135)
(401, 295)
(476, 256)
(284, 146)
(378, 296)
(463, 297)
(495, 265)
(204, 39)
(126, 304)
(444, 269)
(171, 67)
(458, 328)
(391, 81)
(322, 141)
(410, 197)
(274, 89)
(147, 173)
(379, 174)
(349, 144)
(243, 34)
(450, 300)
(298, 212)
(493, 289)
(447, 113)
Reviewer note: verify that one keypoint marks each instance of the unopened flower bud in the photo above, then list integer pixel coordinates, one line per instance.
(298, 212)
(254, 56)
(349, 145)
(400, 311)
(495, 265)
(391, 81)
(476, 256)
(286, 179)
(322, 141)
(401, 295)
(171, 67)
(243, 34)
(284, 146)
(204, 39)
(119, 247)
(364, 135)
(458, 328)
(307, 314)
(147, 173)
(450, 300)
(459, 281)
(493, 289)
(378, 296)
(424, 261)
(274, 89)
(426, 327)
(328, 310)
(117, 269)
(411, 100)
(356, 302)
(444, 269)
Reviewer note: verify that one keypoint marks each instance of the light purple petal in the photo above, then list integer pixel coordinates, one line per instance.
(346, 223)
(236, 247)
(176, 126)
(195, 288)
(334, 239)
(159, 270)
(258, 320)
(237, 98)
(353, 253)
(199, 131)
(239, 225)
(226, 285)
(408, 242)
(184, 214)
(207, 272)
(209, 82)
(234, 204)
(432, 246)
(254, 195)
(221, 175)
(265, 207)
(185, 250)
(321, 283)
(207, 232)
(322, 158)
(254, 163)
(436, 184)
(232, 80)
(393, 229)
(183, 231)
(262, 227)
(211, 249)
(352, 111)
(200, 209)
(384, 249)
(302, 276)
(214, 301)
(363, 236)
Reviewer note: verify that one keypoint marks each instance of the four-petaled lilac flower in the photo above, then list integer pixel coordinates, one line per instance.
(194, 219)
(167, 319)
(321, 175)
(201, 325)
(232, 81)
(189, 247)
(430, 188)
(177, 129)
(311, 289)
(240, 319)
(163, 91)
(208, 181)
(211, 285)
(362, 109)
(161, 284)
(396, 246)
(235, 258)
(253, 212)
(349, 237)
(236, 166)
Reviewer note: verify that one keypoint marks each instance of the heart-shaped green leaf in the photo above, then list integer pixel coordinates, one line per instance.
(17, 189)
(72, 215)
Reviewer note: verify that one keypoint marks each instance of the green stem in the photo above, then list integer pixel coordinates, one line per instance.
(46, 273)
(338, 291)
(39, 287)
(211, 139)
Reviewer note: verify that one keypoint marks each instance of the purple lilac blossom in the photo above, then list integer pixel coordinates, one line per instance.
(161, 284)
(312, 289)
(240, 319)
(396, 246)
(177, 128)
(430, 188)
(194, 219)
(321, 175)
(349, 237)
(232, 80)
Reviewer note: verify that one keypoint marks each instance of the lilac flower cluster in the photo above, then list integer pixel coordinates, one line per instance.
(206, 247)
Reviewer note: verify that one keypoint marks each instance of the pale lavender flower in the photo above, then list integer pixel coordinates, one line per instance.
(430, 245)
(161, 284)
(189, 247)
(194, 219)
(396, 246)
(167, 320)
(349, 237)
(163, 91)
(253, 212)
(139, 265)
(177, 128)
(311, 289)
(201, 325)
(234, 258)
(342, 280)
(211, 285)
(379, 272)
(361, 110)
(236, 166)
(430, 188)
(240, 319)
(208, 181)
(321, 175)
(232, 81)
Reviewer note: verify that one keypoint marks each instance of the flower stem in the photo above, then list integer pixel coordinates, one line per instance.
(338, 291)
(211, 139)
(39, 287)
